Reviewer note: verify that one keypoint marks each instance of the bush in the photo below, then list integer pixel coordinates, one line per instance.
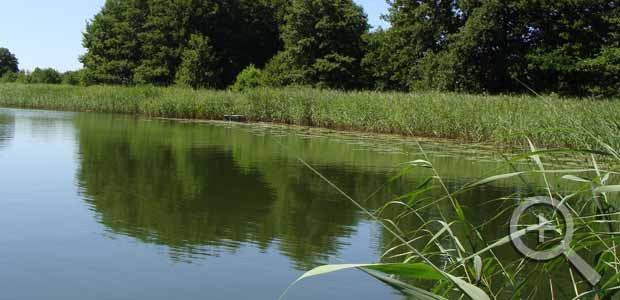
(8, 77)
(49, 76)
(249, 78)
(73, 78)
(23, 77)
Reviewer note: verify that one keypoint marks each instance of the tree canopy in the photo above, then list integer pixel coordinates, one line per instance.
(323, 44)
(8, 62)
(147, 41)
(570, 47)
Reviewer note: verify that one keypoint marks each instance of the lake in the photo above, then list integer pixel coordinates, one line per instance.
(99, 206)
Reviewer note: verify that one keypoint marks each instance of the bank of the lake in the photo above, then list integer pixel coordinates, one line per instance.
(507, 120)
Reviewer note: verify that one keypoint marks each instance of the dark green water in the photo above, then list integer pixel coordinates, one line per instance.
(114, 207)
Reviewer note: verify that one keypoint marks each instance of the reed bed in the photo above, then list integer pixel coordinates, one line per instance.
(506, 120)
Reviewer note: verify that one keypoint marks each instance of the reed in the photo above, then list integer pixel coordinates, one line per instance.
(505, 120)
(449, 257)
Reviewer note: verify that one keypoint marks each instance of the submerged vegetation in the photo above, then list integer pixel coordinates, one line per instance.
(549, 121)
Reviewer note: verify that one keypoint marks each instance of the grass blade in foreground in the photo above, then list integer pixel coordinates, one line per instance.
(415, 271)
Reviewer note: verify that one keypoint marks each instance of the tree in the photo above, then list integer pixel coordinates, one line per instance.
(379, 71)
(200, 66)
(246, 32)
(418, 27)
(486, 53)
(8, 62)
(323, 41)
(163, 35)
(145, 41)
(573, 41)
(111, 39)
(498, 46)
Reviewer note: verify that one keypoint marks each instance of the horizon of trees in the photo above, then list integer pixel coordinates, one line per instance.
(490, 46)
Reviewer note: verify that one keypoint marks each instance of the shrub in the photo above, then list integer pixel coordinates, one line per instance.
(8, 77)
(73, 78)
(49, 76)
(23, 77)
(249, 78)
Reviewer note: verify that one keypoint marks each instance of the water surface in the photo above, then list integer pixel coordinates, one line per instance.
(114, 207)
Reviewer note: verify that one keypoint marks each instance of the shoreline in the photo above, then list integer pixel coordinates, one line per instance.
(503, 122)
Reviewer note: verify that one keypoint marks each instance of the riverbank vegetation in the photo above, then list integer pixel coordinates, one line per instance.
(549, 121)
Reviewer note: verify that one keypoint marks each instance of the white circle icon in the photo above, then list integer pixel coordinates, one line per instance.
(545, 225)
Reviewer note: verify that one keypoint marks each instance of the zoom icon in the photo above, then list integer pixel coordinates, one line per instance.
(544, 225)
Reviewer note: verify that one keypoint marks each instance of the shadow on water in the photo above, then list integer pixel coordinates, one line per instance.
(188, 188)
(204, 190)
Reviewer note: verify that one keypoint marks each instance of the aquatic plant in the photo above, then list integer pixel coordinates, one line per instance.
(449, 257)
(504, 120)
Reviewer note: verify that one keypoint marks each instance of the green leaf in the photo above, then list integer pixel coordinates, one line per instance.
(417, 271)
(608, 189)
(508, 239)
(421, 163)
(407, 289)
(496, 178)
(575, 178)
(471, 290)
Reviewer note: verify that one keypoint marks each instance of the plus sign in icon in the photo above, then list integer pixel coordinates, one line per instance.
(544, 226)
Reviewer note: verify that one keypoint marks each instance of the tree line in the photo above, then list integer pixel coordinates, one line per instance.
(9, 72)
(570, 47)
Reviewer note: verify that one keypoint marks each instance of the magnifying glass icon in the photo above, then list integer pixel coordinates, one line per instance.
(563, 248)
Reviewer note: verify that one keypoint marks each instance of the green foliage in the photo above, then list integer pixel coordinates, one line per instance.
(73, 77)
(281, 71)
(111, 40)
(8, 77)
(250, 78)
(418, 28)
(23, 77)
(377, 62)
(499, 119)
(8, 62)
(151, 41)
(603, 71)
(323, 44)
(44, 76)
(498, 46)
(567, 47)
(49, 76)
(199, 68)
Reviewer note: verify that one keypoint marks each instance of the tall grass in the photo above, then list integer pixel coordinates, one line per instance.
(549, 121)
(449, 257)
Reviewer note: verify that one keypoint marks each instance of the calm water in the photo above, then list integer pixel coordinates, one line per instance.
(114, 207)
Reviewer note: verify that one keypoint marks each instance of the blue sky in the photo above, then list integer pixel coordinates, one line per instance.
(44, 33)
